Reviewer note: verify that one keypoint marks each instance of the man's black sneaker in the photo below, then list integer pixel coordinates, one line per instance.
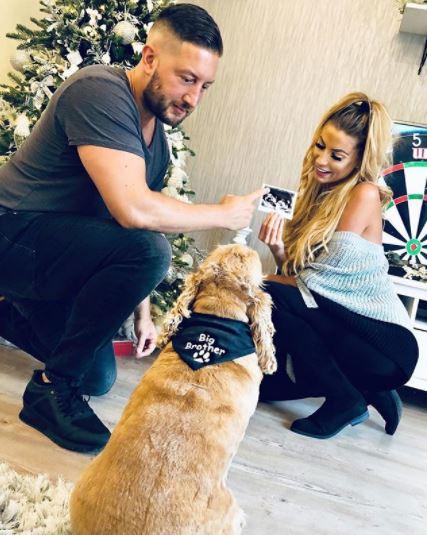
(59, 412)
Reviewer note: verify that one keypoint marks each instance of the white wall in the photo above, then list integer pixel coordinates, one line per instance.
(13, 12)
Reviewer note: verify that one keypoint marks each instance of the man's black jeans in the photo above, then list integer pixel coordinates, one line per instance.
(75, 279)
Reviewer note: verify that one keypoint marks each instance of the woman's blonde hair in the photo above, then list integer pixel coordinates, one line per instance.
(319, 209)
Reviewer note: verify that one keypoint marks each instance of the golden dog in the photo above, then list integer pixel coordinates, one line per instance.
(163, 471)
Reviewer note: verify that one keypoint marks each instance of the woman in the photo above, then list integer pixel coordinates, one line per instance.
(342, 332)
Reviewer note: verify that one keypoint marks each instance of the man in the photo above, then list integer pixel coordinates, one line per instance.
(81, 243)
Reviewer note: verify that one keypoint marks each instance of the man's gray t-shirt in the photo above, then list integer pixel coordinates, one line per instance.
(95, 106)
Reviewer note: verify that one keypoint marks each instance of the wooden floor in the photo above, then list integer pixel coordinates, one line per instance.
(360, 482)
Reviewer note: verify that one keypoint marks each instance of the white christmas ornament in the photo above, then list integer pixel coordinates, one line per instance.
(22, 129)
(180, 159)
(125, 31)
(94, 16)
(177, 178)
(106, 58)
(18, 59)
(187, 259)
(137, 47)
(74, 57)
(171, 191)
(68, 72)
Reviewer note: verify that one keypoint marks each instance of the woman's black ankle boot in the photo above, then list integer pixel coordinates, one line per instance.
(331, 418)
(389, 405)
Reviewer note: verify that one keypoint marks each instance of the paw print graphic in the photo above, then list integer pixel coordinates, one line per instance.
(201, 356)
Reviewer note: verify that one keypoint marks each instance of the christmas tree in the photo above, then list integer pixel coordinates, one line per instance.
(72, 35)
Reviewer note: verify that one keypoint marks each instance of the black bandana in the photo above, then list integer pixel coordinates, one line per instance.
(204, 339)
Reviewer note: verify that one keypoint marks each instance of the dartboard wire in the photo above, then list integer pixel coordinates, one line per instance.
(407, 258)
(393, 217)
(391, 169)
(415, 183)
(423, 235)
(392, 240)
(381, 180)
(423, 230)
(413, 197)
(424, 257)
(409, 181)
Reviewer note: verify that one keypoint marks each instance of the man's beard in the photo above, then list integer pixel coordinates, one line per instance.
(155, 101)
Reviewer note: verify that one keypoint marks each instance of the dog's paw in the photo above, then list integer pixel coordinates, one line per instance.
(202, 356)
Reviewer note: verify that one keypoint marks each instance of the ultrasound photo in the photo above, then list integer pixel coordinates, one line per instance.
(278, 200)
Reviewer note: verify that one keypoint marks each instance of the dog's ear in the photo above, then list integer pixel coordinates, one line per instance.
(259, 313)
(180, 310)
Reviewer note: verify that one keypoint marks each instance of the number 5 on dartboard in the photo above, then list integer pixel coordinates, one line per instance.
(416, 140)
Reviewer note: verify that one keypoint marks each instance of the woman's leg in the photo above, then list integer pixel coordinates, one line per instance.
(373, 373)
(377, 357)
(301, 333)
(279, 386)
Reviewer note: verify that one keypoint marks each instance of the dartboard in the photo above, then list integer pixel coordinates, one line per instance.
(405, 228)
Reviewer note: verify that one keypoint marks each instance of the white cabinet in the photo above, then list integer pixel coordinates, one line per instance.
(414, 297)
(414, 19)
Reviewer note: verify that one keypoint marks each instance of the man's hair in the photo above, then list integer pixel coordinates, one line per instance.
(192, 24)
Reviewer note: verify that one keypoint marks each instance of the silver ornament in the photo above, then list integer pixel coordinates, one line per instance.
(125, 31)
(18, 59)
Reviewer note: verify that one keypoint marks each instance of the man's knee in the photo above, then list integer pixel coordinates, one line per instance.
(150, 250)
(163, 249)
(161, 254)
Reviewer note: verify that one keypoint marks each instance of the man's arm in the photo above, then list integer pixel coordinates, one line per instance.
(120, 179)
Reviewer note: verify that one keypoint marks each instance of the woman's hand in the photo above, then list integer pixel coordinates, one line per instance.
(271, 233)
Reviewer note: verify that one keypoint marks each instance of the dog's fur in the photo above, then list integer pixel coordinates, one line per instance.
(163, 471)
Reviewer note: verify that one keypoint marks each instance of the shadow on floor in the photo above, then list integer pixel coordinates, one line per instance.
(412, 396)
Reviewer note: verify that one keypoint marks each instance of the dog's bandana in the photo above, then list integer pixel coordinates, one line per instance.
(204, 339)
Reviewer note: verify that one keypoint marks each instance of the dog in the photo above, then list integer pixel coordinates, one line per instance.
(164, 469)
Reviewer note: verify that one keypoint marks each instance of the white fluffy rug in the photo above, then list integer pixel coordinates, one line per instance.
(33, 505)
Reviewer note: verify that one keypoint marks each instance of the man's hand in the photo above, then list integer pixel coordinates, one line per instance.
(271, 233)
(240, 209)
(146, 335)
